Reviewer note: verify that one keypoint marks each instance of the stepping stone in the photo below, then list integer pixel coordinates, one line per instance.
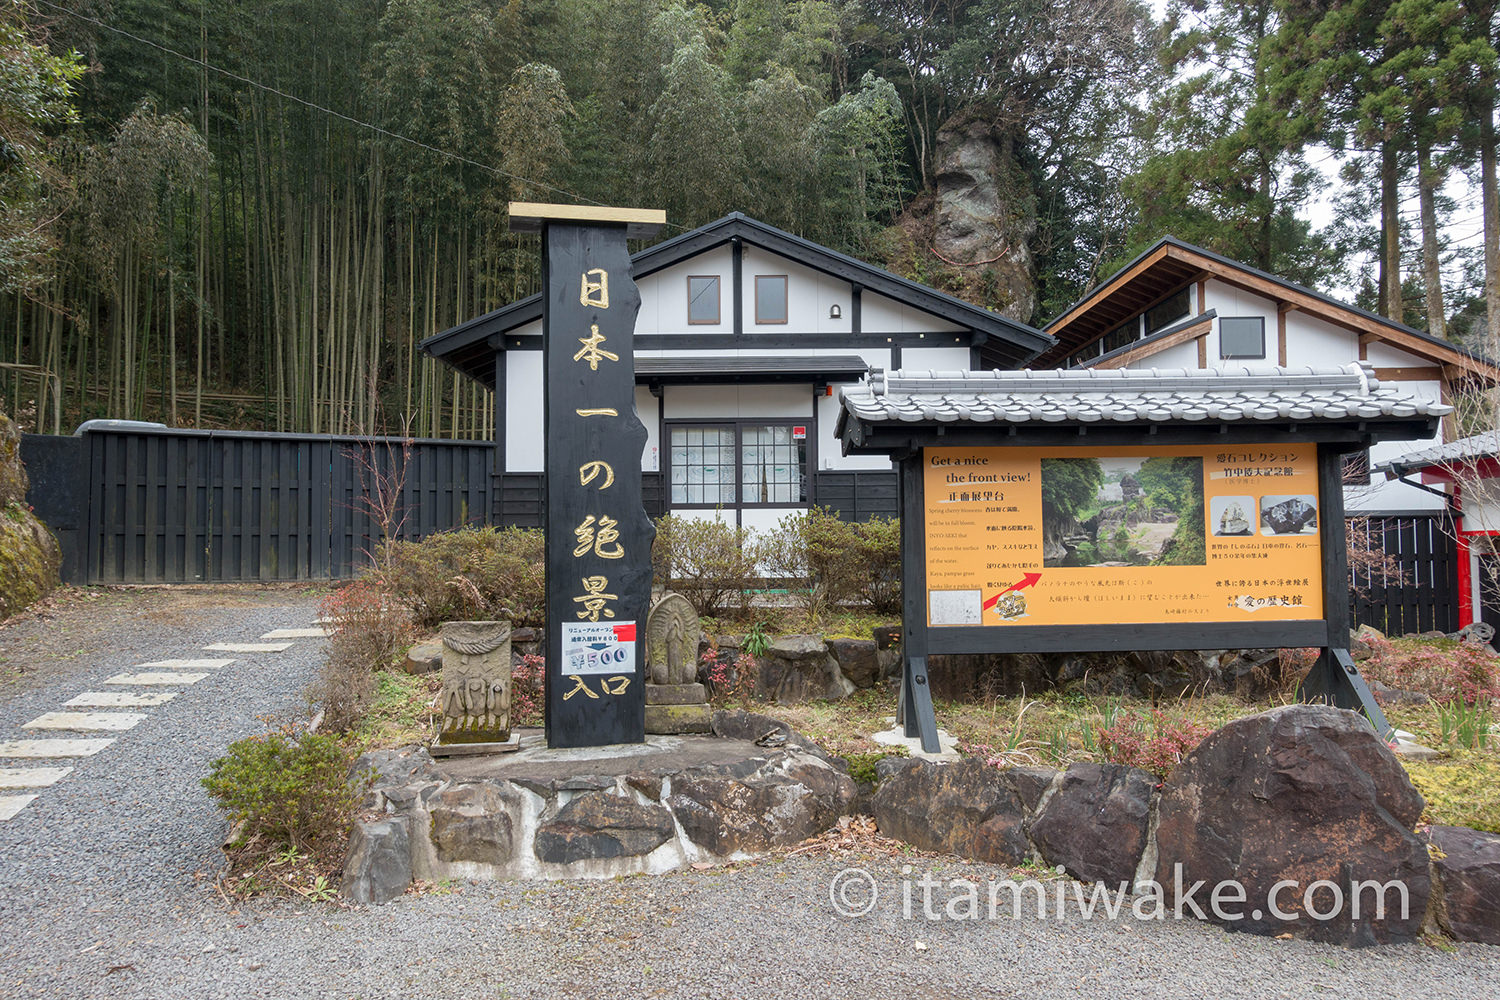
(31, 749)
(102, 722)
(186, 664)
(249, 647)
(121, 699)
(32, 777)
(296, 633)
(12, 804)
(165, 677)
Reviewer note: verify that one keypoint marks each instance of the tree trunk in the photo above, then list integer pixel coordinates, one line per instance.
(1491, 202)
(1428, 179)
(1390, 233)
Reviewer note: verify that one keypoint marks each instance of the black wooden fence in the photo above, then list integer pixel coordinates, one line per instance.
(142, 505)
(1419, 593)
(139, 505)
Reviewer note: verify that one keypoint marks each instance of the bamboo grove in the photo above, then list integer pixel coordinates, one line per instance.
(249, 213)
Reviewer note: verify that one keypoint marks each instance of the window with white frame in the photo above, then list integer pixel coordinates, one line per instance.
(741, 463)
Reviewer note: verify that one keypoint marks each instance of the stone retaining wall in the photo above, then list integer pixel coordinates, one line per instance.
(423, 824)
(1303, 793)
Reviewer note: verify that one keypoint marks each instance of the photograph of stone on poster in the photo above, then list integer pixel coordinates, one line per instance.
(1123, 511)
(1231, 517)
(1289, 515)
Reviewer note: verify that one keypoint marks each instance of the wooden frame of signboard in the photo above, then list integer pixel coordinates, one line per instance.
(1334, 678)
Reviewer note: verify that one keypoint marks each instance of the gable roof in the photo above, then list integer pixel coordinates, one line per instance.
(469, 347)
(1170, 263)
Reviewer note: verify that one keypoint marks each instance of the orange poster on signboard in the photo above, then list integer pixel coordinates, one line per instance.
(1124, 535)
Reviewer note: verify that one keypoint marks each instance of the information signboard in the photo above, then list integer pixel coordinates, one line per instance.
(1122, 535)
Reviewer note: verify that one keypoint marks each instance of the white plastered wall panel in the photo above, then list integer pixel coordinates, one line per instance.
(524, 440)
(938, 359)
(831, 455)
(1481, 507)
(664, 295)
(733, 402)
(1383, 355)
(803, 293)
(881, 314)
(646, 409)
(1315, 342)
(1391, 495)
(1180, 356)
(1228, 301)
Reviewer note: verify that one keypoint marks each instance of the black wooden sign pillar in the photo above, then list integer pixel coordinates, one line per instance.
(598, 534)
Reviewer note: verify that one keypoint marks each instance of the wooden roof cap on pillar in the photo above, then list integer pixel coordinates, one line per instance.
(639, 223)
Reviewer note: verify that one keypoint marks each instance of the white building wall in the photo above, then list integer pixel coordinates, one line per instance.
(523, 411)
(938, 359)
(647, 409)
(1311, 341)
(1314, 342)
(664, 295)
(879, 314)
(1181, 356)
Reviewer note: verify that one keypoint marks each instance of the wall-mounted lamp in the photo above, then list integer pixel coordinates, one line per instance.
(834, 312)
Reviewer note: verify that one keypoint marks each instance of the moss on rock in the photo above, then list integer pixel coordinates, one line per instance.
(13, 482)
(1463, 791)
(29, 554)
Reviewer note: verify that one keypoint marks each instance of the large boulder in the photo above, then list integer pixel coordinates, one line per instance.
(377, 868)
(985, 212)
(798, 668)
(600, 825)
(858, 660)
(760, 804)
(968, 808)
(1299, 795)
(1095, 823)
(475, 822)
(1468, 867)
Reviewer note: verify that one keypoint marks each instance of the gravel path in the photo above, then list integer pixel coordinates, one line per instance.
(105, 888)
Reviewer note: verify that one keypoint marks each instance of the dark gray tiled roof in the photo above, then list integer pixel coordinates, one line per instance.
(1132, 396)
(1480, 446)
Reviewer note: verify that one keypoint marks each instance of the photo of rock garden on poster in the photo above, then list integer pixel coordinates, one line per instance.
(1026, 536)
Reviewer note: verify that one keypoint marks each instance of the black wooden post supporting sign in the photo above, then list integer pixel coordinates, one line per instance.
(598, 534)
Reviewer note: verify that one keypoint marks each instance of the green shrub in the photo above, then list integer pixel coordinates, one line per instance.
(287, 789)
(472, 574)
(840, 562)
(707, 561)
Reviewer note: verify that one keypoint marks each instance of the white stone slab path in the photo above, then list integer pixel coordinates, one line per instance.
(40, 749)
(87, 722)
(296, 633)
(32, 777)
(249, 647)
(121, 699)
(184, 665)
(165, 678)
(12, 804)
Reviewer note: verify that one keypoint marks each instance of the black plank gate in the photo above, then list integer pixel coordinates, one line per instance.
(1423, 595)
(137, 505)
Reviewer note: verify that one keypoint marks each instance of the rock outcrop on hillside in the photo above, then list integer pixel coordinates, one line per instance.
(29, 554)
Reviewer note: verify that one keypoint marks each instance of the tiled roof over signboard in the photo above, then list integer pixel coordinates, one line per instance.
(1452, 453)
(1103, 396)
